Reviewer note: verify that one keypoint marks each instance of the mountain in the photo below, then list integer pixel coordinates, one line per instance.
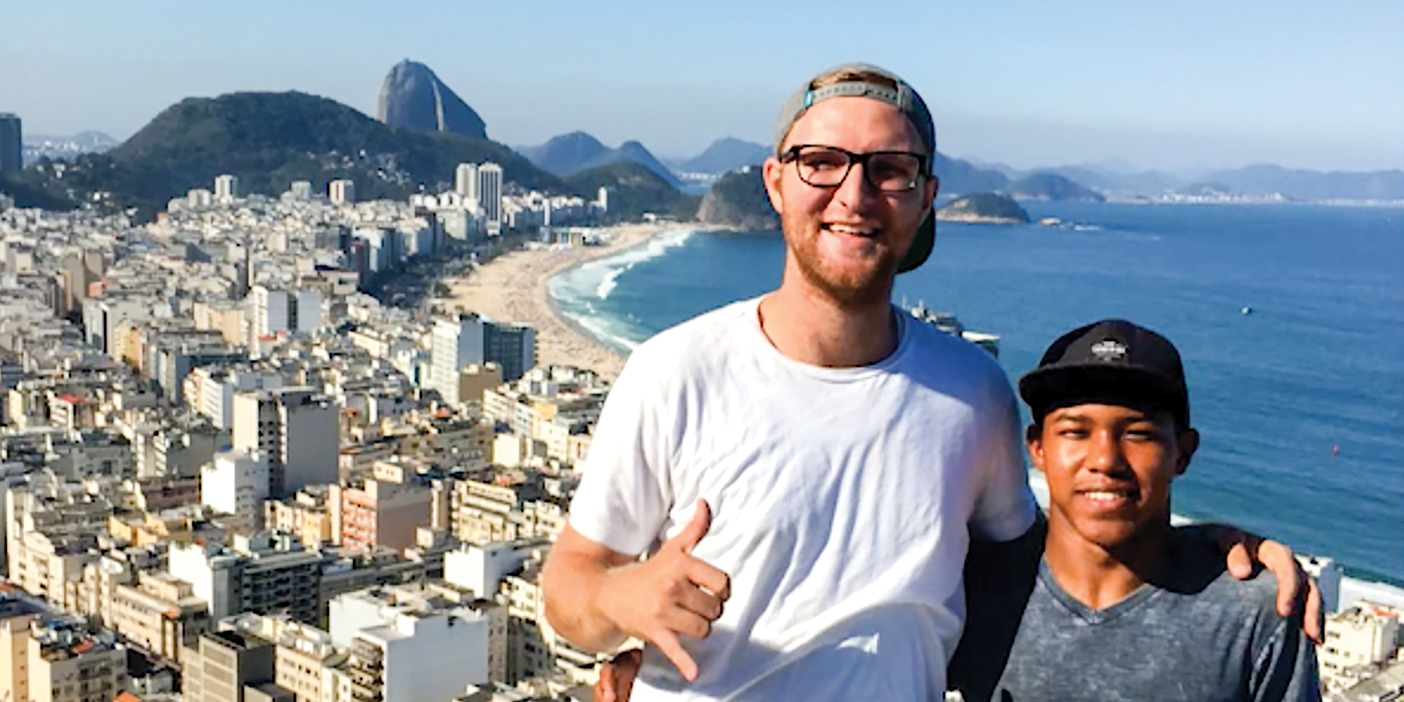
(566, 153)
(1128, 181)
(958, 176)
(722, 156)
(738, 199)
(578, 151)
(635, 152)
(1051, 186)
(269, 140)
(37, 146)
(27, 195)
(412, 97)
(634, 190)
(1265, 179)
(983, 208)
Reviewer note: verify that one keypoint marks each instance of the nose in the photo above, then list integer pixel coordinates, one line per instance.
(1104, 455)
(854, 191)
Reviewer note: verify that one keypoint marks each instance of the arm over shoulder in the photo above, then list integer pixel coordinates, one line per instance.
(1006, 506)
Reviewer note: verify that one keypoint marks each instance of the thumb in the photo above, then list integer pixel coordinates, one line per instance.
(695, 529)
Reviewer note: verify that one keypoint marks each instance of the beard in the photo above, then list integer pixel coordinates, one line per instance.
(848, 288)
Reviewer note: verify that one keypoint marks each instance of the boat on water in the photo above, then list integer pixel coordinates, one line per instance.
(948, 323)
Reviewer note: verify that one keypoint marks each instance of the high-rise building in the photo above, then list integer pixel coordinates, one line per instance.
(268, 311)
(11, 146)
(66, 664)
(236, 482)
(490, 195)
(300, 190)
(230, 666)
(381, 513)
(342, 192)
(262, 573)
(457, 343)
(465, 180)
(296, 430)
(512, 347)
(275, 311)
(226, 188)
(603, 202)
(410, 644)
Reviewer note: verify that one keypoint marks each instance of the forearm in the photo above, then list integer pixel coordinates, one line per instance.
(571, 585)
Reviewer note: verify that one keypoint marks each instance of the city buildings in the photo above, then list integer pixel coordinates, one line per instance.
(1359, 641)
(382, 511)
(296, 432)
(236, 483)
(341, 192)
(226, 188)
(490, 196)
(416, 644)
(262, 573)
(465, 340)
(11, 146)
(230, 666)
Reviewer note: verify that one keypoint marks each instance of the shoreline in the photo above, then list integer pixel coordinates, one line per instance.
(513, 287)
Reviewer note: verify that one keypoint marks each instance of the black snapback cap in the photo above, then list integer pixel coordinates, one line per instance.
(1109, 362)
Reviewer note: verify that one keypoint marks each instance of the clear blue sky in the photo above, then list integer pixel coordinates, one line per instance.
(1175, 85)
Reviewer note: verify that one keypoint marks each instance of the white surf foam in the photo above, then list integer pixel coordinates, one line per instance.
(575, 291)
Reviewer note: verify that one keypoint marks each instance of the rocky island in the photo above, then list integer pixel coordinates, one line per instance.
(738, 199)
(983, 208)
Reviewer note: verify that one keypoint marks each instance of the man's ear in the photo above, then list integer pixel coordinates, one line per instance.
(771, 173)
(1187, 442)
(1033, 438)
(933, 186)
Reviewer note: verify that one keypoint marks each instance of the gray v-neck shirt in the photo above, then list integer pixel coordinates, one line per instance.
(1197, 635)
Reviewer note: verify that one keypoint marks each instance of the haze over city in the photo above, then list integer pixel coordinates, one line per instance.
(1193, 85)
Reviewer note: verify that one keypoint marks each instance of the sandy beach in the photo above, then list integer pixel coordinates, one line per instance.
(512, 288)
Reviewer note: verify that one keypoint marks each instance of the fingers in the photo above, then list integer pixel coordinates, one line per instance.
(605, 688)
(1312, 623)
(714, 580)
(697, 528)
(617, 677)
(702, 604)
(1241, 548)
(1292, 581)
(672, 649)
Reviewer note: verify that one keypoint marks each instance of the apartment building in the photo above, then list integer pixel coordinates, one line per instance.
(262, 573)
(307, 515)
(231, 666)
(411, 644)
(295, 429)
(160, 613)
(1358, 640)
(55, 660)
(380, 513)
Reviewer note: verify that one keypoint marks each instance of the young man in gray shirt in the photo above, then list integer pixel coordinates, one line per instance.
(1103, 600)
(1117, 605)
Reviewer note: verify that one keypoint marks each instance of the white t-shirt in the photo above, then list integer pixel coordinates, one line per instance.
(840, 500)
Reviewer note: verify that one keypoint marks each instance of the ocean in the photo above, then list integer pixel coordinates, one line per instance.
(1300, 400)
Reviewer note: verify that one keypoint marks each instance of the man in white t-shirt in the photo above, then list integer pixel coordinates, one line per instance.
(835, 454)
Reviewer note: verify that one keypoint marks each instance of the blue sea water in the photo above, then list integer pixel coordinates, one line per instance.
(1317, 364)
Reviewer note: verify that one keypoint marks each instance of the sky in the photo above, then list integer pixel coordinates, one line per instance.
(1183, 86)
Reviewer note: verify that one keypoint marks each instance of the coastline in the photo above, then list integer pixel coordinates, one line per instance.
(513, 288)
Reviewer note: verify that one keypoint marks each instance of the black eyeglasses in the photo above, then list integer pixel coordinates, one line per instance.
(828, 166)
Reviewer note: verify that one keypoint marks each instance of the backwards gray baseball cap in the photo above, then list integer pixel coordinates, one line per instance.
(902, 96)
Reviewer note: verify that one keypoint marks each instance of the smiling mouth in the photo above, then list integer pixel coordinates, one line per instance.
(1110, 498)
(850, 229)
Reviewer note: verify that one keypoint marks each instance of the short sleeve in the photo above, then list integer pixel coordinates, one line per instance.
(1284, 668)
(625, 491)
(1005, 508)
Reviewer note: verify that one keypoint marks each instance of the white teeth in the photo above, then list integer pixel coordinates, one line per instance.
(1104, 496)
(850, 230)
